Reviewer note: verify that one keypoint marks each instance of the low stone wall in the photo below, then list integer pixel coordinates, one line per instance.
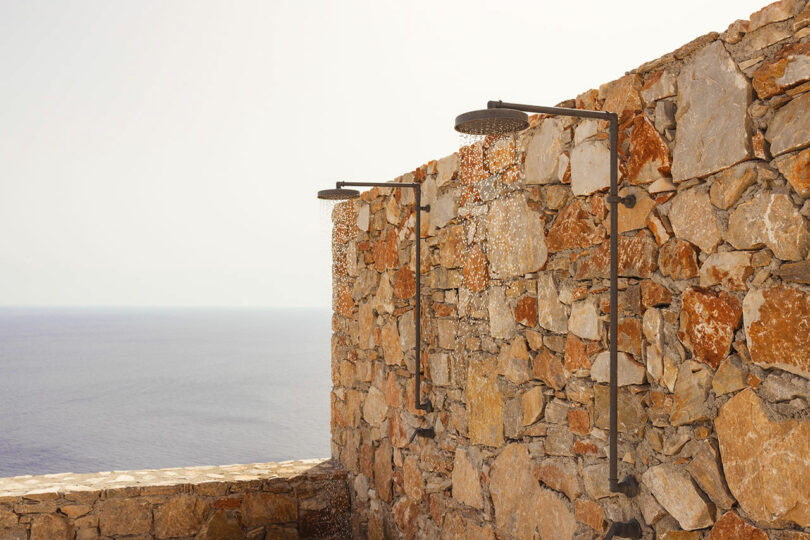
(294, 499)
(714, 313)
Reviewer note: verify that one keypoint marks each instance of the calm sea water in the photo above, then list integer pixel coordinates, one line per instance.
(86, 390)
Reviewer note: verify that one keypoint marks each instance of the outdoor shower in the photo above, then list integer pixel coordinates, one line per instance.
(339, 194)
(500, 118)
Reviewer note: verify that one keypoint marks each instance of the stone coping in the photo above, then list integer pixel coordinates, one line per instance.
(52, 485)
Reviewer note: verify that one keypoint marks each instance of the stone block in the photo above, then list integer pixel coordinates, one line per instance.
(713, 132)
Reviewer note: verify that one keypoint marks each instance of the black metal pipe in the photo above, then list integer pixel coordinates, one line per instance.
(426, 406)
(629, 485)
(559, 111)
(614, 300)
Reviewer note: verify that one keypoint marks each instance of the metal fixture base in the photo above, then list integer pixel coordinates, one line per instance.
(628, 486)
(629, 201)
(624, 529)
(427, 433)
(426, 406)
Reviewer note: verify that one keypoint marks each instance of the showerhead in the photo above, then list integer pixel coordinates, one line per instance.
(339, 194)
(492, 122)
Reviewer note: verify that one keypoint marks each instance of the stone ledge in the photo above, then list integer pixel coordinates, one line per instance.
(49, 486)
(293, 499)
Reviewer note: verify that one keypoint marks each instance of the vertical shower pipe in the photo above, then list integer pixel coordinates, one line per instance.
(427, 406)
(628, 486)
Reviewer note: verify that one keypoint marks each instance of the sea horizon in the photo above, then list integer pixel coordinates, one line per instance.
(95, 388)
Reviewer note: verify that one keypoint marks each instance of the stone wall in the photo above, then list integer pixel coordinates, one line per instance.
(296, 499)
(714, 313)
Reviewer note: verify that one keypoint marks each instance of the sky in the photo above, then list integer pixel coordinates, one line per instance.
(167, 153)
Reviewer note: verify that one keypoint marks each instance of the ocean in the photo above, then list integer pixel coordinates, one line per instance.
(99, 389)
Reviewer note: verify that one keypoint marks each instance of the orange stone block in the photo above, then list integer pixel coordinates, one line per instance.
(649, 154)
(579, 421)
(783, 71)
(577, 354)
(796, 169)
(526, 311)
(638, 257)
(476, 271)
(404, 283)
(708, 322)
(501, 154)
(591, 514)
(678, 259)
(584, 447)
(472, 163)
(654, 294)
(384, 252)
(776, 320)
(574, 228)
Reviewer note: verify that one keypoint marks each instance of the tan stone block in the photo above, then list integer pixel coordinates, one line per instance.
(414, 485)
(796, 168)
(632, 417)
(383, 471)
(532, 403)
(672, 488)
(221, 526)
(706, 471)
(770, 219)
(629, 371)
(125, 516)
(50, 527)
(622, 94)
(466, 480)
(484, 404)
(714, 131)
(520, 504)
(559, 474)
(730, 377)
(731, 269)
(515, 238)
(268, 508)
(691, 389)
(790, 127)
(764, 468)
(182, 515)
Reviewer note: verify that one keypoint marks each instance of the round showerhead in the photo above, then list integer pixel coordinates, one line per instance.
(492, 122)
(339, 194)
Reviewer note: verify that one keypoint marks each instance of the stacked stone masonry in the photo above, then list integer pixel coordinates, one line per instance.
(288, 500)
(714, 313)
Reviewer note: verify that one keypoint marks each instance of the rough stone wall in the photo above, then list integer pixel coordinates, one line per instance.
(714, 313)
(288, 500)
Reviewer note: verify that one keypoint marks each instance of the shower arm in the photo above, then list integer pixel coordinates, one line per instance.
(629, 485)
(426, 406)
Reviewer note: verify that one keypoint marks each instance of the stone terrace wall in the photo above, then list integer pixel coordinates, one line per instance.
(714, 312)
(296, 499)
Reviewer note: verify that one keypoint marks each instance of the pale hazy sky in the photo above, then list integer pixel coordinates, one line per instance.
(168, 152)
